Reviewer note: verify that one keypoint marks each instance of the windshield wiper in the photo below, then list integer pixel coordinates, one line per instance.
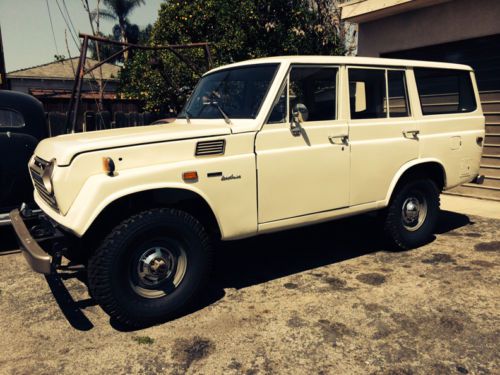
(215, 103)
(188, 116)
(226, 117)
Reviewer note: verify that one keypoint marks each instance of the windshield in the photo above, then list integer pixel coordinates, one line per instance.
(235, 93)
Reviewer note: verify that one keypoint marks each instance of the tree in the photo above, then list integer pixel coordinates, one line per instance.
(119, 10)
(135, 35)
(237, 30)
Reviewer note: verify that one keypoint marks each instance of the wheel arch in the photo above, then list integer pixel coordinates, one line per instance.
(431, 168)
(128, 203)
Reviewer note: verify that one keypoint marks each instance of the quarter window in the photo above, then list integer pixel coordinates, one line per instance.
(10, 119)
(444, 91)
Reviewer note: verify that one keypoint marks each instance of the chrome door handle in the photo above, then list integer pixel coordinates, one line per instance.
(339, 140)
(411, 134)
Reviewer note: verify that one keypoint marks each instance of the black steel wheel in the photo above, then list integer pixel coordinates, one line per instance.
(150, 267)
(412, 214)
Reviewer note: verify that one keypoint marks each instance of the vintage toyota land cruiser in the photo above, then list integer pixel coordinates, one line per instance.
(261, 146)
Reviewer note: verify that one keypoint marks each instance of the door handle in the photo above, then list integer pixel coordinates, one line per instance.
(411, 134)
(339, 140)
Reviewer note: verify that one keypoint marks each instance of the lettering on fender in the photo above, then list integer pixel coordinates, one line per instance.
(230, 177)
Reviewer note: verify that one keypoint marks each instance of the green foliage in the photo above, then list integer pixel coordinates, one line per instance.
(143, 340)
(59, 57)
(238, 30)
(135, 35)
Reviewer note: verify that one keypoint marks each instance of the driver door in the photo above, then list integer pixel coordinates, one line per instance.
(306, 171)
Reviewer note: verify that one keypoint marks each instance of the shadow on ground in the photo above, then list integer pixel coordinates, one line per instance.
(248, 262)
(8, 240)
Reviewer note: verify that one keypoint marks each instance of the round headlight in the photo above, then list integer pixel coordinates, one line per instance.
(47, 176)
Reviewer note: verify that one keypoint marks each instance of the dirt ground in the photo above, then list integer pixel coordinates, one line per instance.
(326, 299)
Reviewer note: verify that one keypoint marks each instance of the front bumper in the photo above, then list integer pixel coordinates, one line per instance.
(42, 233)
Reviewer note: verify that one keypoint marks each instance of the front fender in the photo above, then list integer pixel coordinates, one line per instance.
(233, 202)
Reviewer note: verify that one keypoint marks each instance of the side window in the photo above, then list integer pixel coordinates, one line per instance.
(444, 91)
(367, 93)
(398, 94)
(10, 119)
(312, 91)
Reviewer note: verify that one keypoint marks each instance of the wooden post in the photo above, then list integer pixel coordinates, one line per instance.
(4, 83)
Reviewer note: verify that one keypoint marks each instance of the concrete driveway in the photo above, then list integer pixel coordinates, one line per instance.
(320, 300)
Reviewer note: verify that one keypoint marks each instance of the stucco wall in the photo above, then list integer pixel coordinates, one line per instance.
(452, 21)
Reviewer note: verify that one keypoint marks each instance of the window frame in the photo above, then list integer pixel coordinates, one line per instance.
(286, 82)
(470, 81)
(17, 113)
(386, 69)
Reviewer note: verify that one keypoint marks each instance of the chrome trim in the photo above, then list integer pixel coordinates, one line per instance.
(37, 168)
(215, 147)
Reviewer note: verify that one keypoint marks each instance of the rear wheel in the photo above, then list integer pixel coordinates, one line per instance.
(150, 267)
(412, 214)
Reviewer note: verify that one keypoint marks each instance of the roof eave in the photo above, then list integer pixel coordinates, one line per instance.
(361, 11)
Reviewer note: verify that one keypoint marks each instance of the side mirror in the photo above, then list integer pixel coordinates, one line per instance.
(300, 113)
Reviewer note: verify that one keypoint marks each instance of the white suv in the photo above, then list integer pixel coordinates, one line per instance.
(261, 146)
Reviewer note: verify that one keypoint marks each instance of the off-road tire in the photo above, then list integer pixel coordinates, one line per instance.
(110, 267)
(398, 236)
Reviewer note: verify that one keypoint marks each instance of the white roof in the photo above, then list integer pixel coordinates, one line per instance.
(347, 60)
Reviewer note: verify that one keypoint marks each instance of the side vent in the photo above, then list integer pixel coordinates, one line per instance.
(205, 148)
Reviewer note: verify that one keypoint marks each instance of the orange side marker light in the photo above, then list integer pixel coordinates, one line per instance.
(109, 166)
(191, 176)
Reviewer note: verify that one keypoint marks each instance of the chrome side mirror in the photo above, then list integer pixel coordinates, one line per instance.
(300, 114)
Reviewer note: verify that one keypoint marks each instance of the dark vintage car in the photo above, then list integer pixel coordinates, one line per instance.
(22, 126)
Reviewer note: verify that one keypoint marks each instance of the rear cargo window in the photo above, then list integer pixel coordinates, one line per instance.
(444, 91)
(10, 119)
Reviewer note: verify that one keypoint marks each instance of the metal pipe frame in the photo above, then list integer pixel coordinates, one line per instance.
(76, 92)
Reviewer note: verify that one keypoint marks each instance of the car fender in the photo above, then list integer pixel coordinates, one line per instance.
(404, 168)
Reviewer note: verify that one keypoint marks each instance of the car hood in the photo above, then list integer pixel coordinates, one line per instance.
(63, 148)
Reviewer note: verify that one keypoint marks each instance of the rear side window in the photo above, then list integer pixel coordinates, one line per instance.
(10, 119)
(367, 93)
(444, 91)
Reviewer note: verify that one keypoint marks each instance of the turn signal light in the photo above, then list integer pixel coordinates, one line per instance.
(191, 176)
(109, 166)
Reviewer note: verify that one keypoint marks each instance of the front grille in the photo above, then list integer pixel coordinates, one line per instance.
(36, 170)
(210, 147)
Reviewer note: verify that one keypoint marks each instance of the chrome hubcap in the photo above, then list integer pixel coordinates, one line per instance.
(414, 211)
(155, 265)
(158, 271)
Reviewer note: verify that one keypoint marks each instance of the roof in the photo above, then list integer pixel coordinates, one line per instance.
(64, 70)
(66, 94)
(369, 10)
(347, 60)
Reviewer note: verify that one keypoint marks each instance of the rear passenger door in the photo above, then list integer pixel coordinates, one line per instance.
(382, 133)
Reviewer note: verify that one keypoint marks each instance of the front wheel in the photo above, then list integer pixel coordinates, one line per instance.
(412, 214)
(150, 267)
